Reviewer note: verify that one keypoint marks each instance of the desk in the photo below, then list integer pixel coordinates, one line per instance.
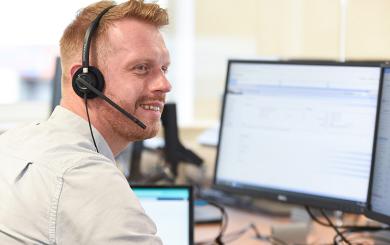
(239, 219)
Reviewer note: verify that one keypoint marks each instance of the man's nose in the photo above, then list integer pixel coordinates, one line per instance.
(162, 84)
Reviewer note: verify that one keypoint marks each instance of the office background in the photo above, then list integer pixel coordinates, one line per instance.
(202, 36)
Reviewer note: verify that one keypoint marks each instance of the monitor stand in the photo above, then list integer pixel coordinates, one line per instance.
(262, 206)
(174, 153)
(272, 207)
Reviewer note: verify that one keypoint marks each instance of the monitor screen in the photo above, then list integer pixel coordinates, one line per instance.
(170, 207)
(299, 132)
(379, 201)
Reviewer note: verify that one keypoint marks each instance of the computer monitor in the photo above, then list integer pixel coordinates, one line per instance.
(379, 195)
(171, 209)
(299, 132)
(174, 150)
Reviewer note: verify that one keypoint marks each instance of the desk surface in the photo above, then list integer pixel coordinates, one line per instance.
(238, 220)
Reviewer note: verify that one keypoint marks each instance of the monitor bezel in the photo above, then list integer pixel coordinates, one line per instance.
(283, 195)
(369, 213)
(191, 202)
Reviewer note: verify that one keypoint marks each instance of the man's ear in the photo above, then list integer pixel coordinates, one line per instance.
(73, 69)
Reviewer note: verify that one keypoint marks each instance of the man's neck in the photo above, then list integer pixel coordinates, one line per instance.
(114, 141)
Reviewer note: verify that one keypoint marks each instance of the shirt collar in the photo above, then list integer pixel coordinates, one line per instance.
(75, 123)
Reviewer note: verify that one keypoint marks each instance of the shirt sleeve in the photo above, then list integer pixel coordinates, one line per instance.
(97, 206)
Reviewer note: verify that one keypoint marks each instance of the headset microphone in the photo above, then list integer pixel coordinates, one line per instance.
(88, 82)
(88, 86)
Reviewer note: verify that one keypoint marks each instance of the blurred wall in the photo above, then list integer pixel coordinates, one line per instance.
(287, 29)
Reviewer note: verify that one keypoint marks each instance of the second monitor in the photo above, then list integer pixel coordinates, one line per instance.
(299, 132)
(379, 200)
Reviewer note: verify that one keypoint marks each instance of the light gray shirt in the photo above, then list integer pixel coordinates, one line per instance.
(56, 189)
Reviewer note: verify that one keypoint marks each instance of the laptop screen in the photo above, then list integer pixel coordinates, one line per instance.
(171, 210)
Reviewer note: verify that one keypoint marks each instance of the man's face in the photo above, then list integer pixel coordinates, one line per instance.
(134, 71)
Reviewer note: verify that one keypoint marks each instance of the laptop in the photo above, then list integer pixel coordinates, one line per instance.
(171, 209)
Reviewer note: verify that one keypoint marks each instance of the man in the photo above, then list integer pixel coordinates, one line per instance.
(55, 187)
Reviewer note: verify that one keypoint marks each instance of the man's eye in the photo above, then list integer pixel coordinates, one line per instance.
(141, 69)
(164, 69)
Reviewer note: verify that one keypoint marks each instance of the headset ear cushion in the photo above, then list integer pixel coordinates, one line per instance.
(94, 77)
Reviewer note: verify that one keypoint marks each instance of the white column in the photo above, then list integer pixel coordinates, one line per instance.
(183, 57)
(343, 30)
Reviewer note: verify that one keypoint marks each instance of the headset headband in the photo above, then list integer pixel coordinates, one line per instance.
(87, 39)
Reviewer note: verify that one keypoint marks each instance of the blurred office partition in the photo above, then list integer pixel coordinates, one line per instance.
(56, 85)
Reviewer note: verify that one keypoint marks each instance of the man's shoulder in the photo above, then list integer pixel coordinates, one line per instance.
(64, 158)
(52, 148)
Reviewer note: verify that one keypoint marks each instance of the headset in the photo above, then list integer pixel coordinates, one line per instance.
(88, 81)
